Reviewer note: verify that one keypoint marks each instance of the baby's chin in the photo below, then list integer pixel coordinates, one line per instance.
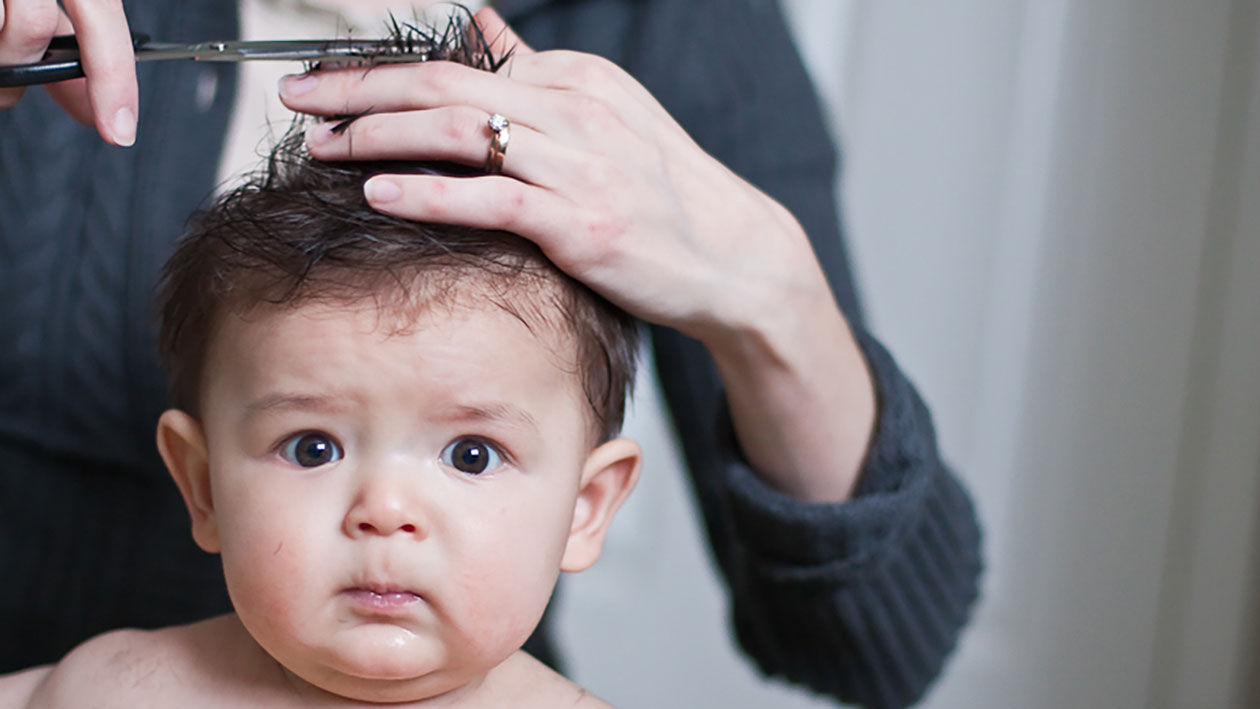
(388, 678)
(385, 691)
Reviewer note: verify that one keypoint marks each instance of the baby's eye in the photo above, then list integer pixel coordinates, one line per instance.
(311, 449)
(471, 455)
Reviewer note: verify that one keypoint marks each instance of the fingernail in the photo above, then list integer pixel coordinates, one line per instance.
(125, 127)
(297, 84)
(380, 189)
(319, 133)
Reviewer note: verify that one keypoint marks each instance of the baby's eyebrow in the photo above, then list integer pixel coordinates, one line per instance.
(494, 411)
(497, 411)
(282, 401)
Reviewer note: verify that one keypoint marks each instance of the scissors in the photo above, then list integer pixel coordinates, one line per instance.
(62, 61)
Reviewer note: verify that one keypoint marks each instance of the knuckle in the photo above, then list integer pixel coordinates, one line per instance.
(604, 70)
(589, 111)
(369, 130)
(28, 28)
(606, 177)
(438, 78)
(569, 64)
(511, 207)
(589, 70)
(603, 228)
(359, 136)
(508, 207)
(432, 201)
(458, 125)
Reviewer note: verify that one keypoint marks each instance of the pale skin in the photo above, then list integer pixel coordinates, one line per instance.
(214, 663)
(369, 561)
(613, 190)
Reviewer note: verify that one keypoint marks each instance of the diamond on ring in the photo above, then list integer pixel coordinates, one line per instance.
(500, 129)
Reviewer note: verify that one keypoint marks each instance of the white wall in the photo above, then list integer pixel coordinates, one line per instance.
(1053, 209)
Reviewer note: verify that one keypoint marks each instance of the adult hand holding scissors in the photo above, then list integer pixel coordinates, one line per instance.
(620, 197)
(108, 98)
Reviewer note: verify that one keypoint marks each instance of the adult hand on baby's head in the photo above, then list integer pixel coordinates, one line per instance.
(617, 194)
(597, 173)
(108, 97)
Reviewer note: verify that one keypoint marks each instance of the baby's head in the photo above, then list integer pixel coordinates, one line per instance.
(395, 434)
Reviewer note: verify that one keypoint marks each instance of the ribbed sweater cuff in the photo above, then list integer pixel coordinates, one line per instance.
(862, 599)
(827, 541)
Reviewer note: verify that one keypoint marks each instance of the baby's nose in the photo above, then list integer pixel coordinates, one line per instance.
(385, 505)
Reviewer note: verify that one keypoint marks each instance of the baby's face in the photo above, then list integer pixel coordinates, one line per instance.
(392, 509)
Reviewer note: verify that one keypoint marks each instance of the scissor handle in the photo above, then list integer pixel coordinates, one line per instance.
(61, 62)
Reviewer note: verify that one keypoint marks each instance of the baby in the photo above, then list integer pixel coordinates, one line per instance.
(394, 434)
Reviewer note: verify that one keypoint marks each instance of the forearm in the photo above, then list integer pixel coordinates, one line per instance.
(800, 393)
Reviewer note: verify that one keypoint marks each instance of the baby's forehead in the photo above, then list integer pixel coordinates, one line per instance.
(503, 316)
(448, 356)
(396, 308)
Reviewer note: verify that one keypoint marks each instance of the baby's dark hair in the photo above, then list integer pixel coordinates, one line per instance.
(300, 231)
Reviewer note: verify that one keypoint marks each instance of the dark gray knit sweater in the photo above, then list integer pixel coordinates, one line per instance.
(862, 600)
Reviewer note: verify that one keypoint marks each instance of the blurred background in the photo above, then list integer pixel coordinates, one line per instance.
(1054, 211)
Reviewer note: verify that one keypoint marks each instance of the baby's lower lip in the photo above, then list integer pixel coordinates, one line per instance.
(382, 600)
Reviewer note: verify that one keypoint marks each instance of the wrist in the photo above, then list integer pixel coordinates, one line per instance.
(800, 393)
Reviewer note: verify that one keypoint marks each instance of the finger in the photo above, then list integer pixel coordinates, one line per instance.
(498, 35)
(491, 202)
(405, 87)
(25, 28)
(110, 65)
(71, 95)
(580, 120)
(454, 133)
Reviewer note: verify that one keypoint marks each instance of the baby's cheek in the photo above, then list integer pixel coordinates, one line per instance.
(263, 573)
(495, 627)
(501, 604)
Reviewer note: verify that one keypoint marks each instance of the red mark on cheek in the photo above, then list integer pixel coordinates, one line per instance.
(278, 548)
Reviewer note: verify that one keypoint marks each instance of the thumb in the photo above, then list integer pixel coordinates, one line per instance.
(500, 38)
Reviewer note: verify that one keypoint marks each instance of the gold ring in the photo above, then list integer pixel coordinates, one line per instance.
(500, 129)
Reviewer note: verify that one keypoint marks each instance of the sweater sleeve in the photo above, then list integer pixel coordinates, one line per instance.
(864, 599)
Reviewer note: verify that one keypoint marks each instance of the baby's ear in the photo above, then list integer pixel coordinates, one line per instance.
(182, 444)
(609, 475)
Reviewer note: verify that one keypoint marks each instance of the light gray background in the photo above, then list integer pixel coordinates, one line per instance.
(1054, 207)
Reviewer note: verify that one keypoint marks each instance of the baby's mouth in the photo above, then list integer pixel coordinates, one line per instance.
(382, 600)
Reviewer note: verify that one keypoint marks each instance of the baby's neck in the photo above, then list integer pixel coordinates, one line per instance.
(521, 680)
(518, 681)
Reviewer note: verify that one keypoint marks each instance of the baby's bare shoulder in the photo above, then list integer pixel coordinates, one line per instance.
(530, 683)
(16, 689)
(123, 668)
(126, 668)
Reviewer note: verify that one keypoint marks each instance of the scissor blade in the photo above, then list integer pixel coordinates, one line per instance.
(378, 50)
(62, 62)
